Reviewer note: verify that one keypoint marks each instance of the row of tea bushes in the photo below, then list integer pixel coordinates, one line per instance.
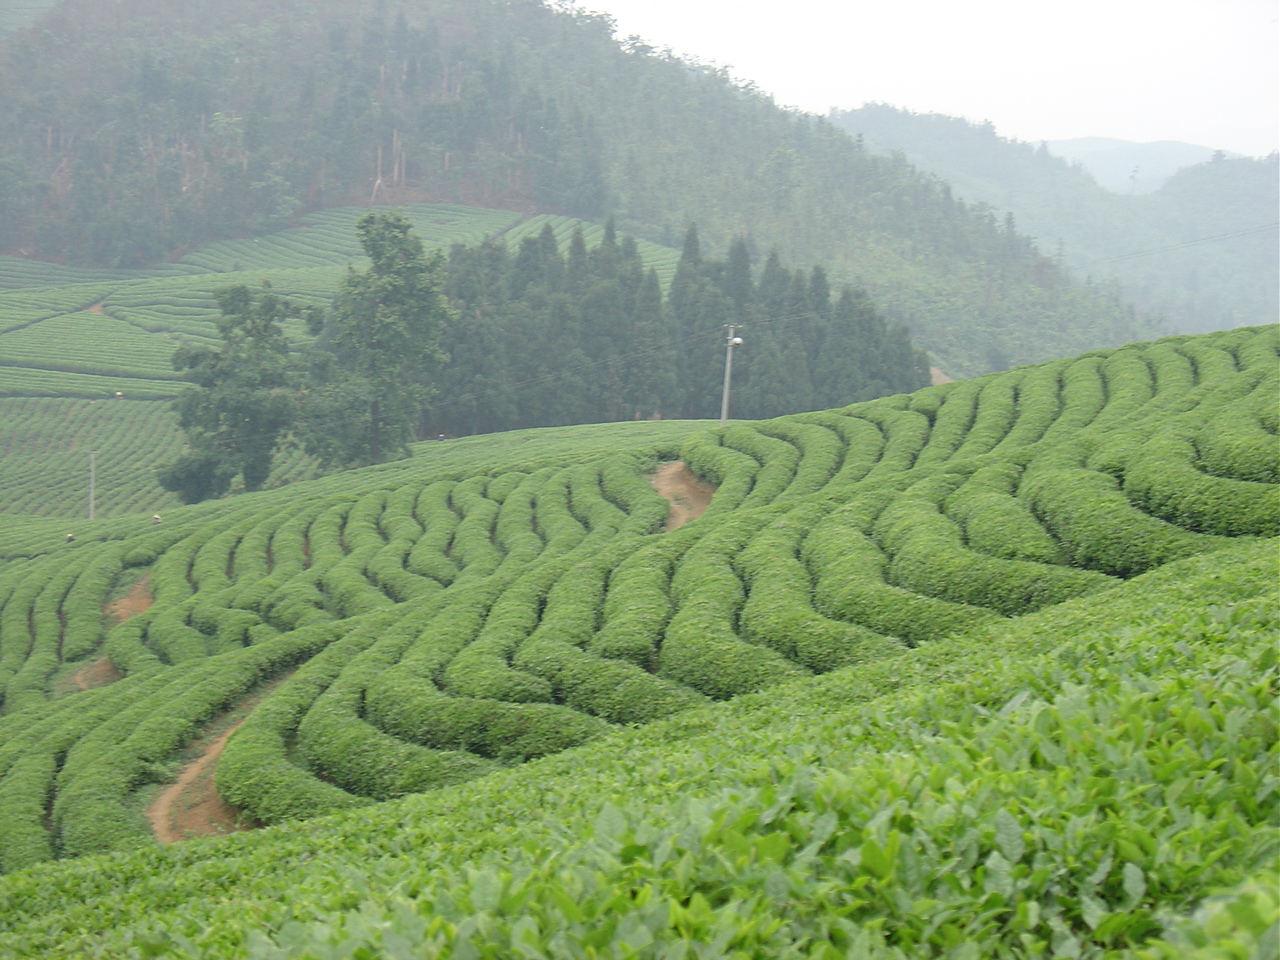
(45, 450)
(525, 604)
(90, 343)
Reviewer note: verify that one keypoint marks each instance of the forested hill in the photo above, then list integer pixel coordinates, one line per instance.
(1201, 250)
(134, 128)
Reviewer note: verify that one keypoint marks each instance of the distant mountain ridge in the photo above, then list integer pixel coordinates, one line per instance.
(1125, 166)
(1201, 251)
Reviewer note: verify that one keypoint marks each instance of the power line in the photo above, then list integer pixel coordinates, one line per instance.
(1178, 246)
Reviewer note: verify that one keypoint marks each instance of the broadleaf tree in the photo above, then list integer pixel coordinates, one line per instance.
(383, 336)
(242, 401)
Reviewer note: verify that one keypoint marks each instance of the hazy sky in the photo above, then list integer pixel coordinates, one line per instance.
(1200, 71)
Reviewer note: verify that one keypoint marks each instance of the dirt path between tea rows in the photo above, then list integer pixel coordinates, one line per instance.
(137, 600)
(688, 496)
(191, 807)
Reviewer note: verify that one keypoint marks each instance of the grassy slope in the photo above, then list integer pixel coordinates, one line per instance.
(34, 535)
(57, 360)
(727, 789)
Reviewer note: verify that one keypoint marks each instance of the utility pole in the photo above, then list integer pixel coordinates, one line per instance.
(733, 340)
(93, 478)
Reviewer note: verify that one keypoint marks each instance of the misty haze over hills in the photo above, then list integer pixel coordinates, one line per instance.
(133, 131)
(192, 125)
(1200, 250)
(1124, 166)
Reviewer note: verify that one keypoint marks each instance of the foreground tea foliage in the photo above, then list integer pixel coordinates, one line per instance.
(1071, 784)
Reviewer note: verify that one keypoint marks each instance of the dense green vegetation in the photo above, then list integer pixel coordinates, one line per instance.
(981, 670)
(484, 603)
(1072, 784)
(240, 405)
(69, 332)
(44, 457)
(545, 332)
(146, 128)
(543, 337)
(1201, 251)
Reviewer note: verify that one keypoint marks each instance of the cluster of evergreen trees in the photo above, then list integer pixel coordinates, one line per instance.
(534, 337)
(542, 338)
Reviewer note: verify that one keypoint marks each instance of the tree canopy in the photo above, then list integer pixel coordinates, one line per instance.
(383, 335)
(241, 400)
(542, 338)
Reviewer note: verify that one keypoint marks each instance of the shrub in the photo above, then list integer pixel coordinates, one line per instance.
(1039, 402)
(1162, 480)
(862, 443)
(1099, 528)
(700, 648)
(1234, 443)
(732, 472)
(777, 459)
(821, 452)
(778, 611)
(951, 415)
(994, 416)
(928, 556)
(359, 758)
(850, 585)
(1083, 396)
(413, 709)
(992, 520)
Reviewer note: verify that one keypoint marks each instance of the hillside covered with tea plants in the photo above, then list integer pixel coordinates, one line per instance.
(983, 670)
(132, 132)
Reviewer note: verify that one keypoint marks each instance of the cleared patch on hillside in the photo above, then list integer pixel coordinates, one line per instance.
(97, 673)
(137, 600)
(688, 496)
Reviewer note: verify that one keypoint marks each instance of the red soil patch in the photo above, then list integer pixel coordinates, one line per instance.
(137, 600)
(689, 498)
(937, 376)
(99, 673)
(96, 308)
